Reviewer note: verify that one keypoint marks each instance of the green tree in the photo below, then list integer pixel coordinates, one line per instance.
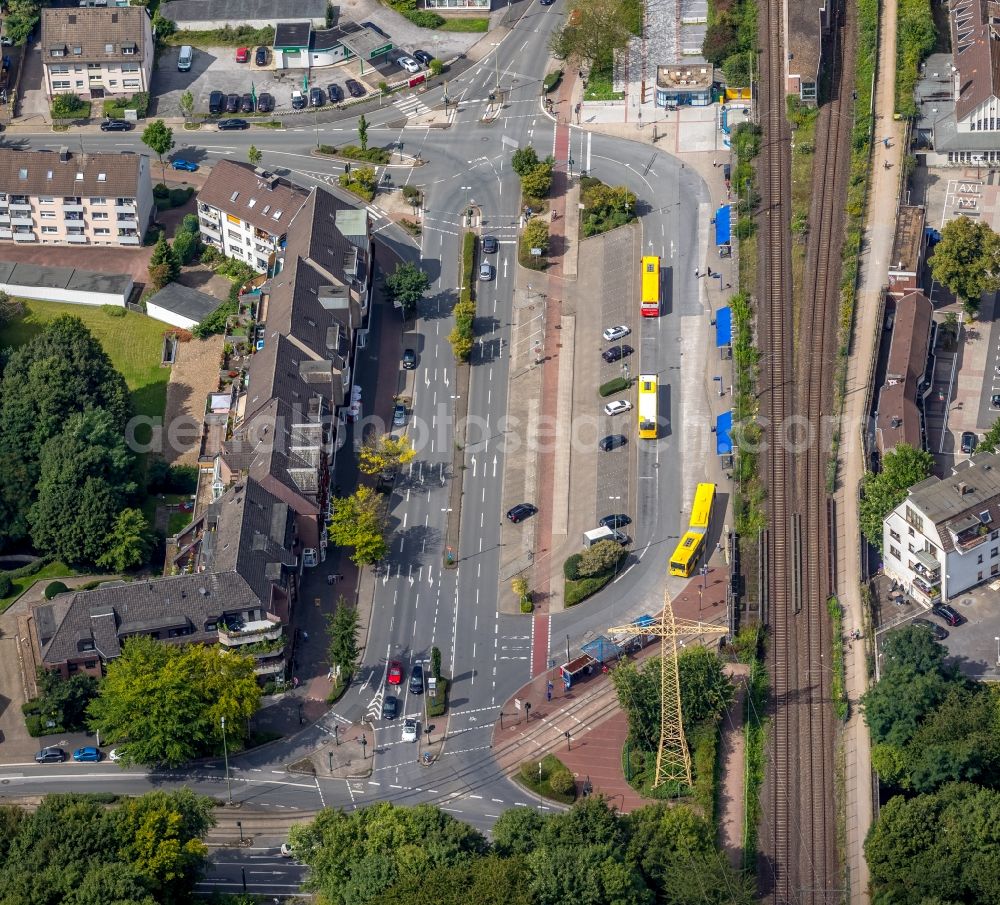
(638, 691)
(163, 253)
(186, 104)
(128, 544)
(115, 883)
(524, 160)
(254, 156)
(20, 20)
(65, 701)
(967, 260)
(9, 308)
(436, 662)
(406, 285)
(168, 701)
(990, 440)
(187, 248)
(594, 30)
(902, 467)
(706, 690)
(600, 557)
(363, 132)
(357, 521)
(159, 138)
(913, 647)
(437, 67)
(896, 704)
(536, 235)
(517, 832)
(343, 650)
(537, 182)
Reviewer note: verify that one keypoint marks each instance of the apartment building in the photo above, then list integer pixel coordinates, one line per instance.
(96, 52)
(74, 199)
(245, 212)
(944, 538)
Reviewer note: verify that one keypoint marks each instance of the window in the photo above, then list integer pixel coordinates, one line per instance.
(109, 48)
(77, 51)
(994, 552)
(985, 517)
(49, 230)
(59, 84)
(57, 52)
(96, 66)
(102, 231)
(894, 552)
(979, 577)
(914, 518)
(79, 83)
(113, 83)
(911, 532)
(911, 548)
(130, 67)
(894, 535)
(42, 199)
(90, 664)
(98, 200)
(48, 215)
(59, 70)
(979, 559)
(129, 51)
(99, 215)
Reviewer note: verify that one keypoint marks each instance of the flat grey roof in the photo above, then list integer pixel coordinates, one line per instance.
(185, 301)
(364, 42)
(292, 34)
(29, 275)
(243, 10)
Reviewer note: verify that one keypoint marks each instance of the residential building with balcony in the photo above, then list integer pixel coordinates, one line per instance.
(74, 199)
(96, 52)
(944, 538)
(245, 212)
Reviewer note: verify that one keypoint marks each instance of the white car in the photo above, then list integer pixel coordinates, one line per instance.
(617, 407)
(409, 64)
(613, 333)
(409, 730)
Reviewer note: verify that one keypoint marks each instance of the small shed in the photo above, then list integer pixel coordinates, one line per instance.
(64, 284)
(181, 306)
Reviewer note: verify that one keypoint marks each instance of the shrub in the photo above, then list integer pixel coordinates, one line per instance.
(576, 591)
(561, 782)
(412, 195)
(614, 386)
(437, 67)
(33, 723)
(180, 196)
(6, 586)
(424, 19)
(552, 81)
(53, 588)
(369, 155)
(160, 191)
(326, 149)
(599, 558)
(526, 605)
(571, 566)
(113, 310)
(69, 106)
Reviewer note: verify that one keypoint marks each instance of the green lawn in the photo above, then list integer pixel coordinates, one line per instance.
(472, 24)
(134, 343)
(46, 573)
(599, 86)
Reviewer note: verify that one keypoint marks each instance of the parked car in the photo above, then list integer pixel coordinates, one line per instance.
(336, 93)
(398, 415)
(409, 64)
(490, 245)
(298, 100)
(520, 512)
(410, 730)
(417, 679)
(936, 630)
(395, 55)
(242, 54)
(265, 102)
(409, 360)
(390, 707)
(116, 125)
(227, 125)
(619, 520)
(180, 164)
(612, 441)
(355, 88)
(315, 97)
(232, 103)
(617, 407)
(948, 614)
(969, 441)
(423, 56)
(216, 102)
(613, 333)
(374, 28)
(995, 400)
(395, 674)
(246, 103)
(485, 272)
(260, 56)
(616, 353)
(546, 2)
(86, 755)
(50, 755)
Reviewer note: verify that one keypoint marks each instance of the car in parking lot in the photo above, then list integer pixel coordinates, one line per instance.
(335, 93)
(298, 100)
(315, 97)
(485, 272)
(947, 614)
(398, 415)
(354, 87)
(936, 630)
(619, 520)
(969, 441)
(246, 103)
(490, 245)
(616, 353)
(410, 730)
(50, 755)
(417, 679)
(260, 56)
(265, 102)
(409, 64)
(613, 333)
(995, 400)
(86, 755)
(409, 360)
(242, 54)
(180, 164)
(228, 125)
(617, 407)
(232, 103)
(390, 707)
(116, 125)
(423, 56)
(374, 28)
(216, 102)
(395, 674)
(520, 512)
(612, 441)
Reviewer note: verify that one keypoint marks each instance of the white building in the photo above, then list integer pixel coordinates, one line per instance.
(944, 538)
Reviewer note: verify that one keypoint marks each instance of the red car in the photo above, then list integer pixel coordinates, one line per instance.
(242, 54)
(395, 676)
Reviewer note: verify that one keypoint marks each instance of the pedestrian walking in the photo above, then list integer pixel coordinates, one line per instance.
(729, 285)
(709, 271)
(696, 272)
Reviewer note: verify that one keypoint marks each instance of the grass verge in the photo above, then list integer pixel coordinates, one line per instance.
(462, 334)
(639, 767)
(755, 738)
(471, 24)
(438, 704)
(556, 780)
(243, 36)
(803, 120)
(600, 86)
(578, 588)
(838, 687)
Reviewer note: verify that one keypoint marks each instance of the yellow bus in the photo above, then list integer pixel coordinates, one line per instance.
(685, 557)
(650, 287)
(701, 508)
(647, 407)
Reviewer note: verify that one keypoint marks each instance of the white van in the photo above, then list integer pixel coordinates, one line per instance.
(184, 60)
(603, 533)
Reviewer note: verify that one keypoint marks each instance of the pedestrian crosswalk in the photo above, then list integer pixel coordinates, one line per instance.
(411, 105)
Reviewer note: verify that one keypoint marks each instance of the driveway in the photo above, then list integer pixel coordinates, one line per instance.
(34, 104)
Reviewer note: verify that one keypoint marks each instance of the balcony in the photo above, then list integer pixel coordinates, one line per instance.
(125, 222)
(75, 239)
(21, 220)
(24, 236)
(269, 667)
(73, 207)
(125, 209)
(5, 233)
(20, 206)
(210, 230)
(927, 567)
(250, 633)
(208, 213)
(128, 240)
(925, 593)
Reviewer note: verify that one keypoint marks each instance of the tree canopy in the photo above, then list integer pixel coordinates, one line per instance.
(168, 700)
(882, 492)
(594, 30)
(385, 453)
(990, 440)
(406, 285)
(967, 260)
(356, 522)
(342, 629)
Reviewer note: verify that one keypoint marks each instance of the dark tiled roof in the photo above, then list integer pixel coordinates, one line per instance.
(263, 200)
(99, 33)
(46, 173)
(908, 243)
(898, 413)
(292, 34)
(806, 20)
(183, 300)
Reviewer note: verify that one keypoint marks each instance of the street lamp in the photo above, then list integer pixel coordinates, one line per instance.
(527, 712)
(239, 826)
(301, 719)
(225, 754)
(568, 737)
(997, 639)
(364, 748)
(336, 736)
(539, 785)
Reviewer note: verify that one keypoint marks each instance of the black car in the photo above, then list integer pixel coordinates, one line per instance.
(232, 103)
(422, 56)
(228, 124)
(616, 353)
(939, 633)
(490, 245)
(246, 103)
(612, 441)
(417, 680)
(260, 56)
(374, 28)
(615, 521)
(969, 441)
(995, 400)
(335, 93)
(298, 100)
(546, 2)
(355, 88)
(216, 102)
(949, 615)
(315, 97)
(50, 755)
(520, 512)
(390, 707)
(265, 103)
(409, 360)
(115, 125)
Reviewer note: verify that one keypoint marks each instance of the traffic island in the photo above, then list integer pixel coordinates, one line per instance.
(347, 755)
(548, 778)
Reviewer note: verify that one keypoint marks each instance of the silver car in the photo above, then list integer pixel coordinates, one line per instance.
(485, 272)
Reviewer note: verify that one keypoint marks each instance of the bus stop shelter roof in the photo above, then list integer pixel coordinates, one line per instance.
(724, 327)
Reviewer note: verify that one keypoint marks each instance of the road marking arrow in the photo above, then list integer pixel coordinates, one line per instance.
(473, 466)
(494, 466)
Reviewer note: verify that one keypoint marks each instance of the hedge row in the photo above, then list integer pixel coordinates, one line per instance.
(462, 335)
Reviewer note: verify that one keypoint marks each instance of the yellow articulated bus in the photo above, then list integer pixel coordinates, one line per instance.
(650, 287)
(648, 424)
(688, 552)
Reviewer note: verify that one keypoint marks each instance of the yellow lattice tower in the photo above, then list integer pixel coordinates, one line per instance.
(673, 759)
